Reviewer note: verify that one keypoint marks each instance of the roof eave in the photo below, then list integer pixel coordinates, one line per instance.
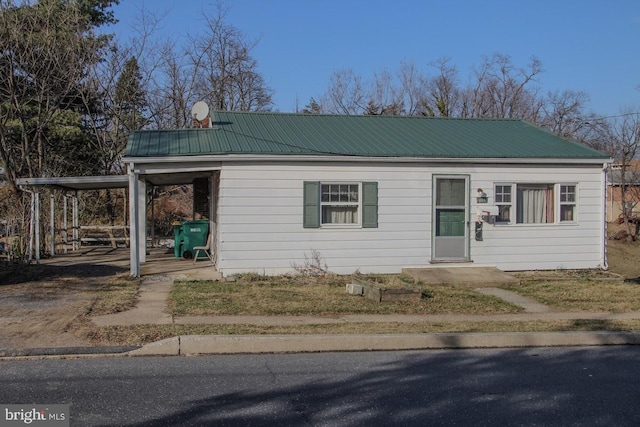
(359, 159)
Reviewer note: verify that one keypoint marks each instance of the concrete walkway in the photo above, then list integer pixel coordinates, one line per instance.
(528, 305)
(151, 307)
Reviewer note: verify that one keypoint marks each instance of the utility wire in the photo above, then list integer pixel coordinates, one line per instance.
(614, 117)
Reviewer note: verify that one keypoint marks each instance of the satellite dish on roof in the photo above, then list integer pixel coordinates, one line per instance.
(200, 111)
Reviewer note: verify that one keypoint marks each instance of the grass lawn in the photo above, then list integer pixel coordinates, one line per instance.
(589, 295)
(251, 294)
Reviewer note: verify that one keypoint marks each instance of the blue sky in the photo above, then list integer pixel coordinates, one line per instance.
(587, 45)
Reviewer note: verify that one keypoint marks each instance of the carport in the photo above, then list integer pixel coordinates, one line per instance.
(136, 181)
(70, 186)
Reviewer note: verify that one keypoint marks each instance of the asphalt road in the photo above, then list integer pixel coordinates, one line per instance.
(543, 386)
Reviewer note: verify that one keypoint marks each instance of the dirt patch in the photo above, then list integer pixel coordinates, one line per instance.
(46, 306)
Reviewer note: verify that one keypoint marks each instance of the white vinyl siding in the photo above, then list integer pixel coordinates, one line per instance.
(265, 234)
(260, 218)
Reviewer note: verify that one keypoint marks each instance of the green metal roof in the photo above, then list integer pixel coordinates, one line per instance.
(369, 136)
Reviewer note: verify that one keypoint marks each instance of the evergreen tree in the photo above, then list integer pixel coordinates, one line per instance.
(45, 50)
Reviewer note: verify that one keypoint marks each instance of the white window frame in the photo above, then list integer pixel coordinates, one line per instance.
(562, 202)
(558, 202)
(358, 205)
(500, 203)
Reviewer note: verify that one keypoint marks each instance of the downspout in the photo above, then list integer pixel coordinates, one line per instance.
(605, 167)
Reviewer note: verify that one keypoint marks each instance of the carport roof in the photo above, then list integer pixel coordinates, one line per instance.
(108, 181)
(77, 182)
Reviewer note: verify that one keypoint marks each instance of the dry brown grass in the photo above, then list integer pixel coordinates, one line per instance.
(144, 334)
(623, 257)
(298, 295)
(119, 294)
(584, 295)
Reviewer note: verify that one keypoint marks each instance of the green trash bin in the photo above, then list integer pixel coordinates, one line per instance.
(194, 233)
(177, 240)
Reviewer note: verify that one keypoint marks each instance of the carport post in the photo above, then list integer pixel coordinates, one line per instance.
(76, 223)
(52, 225)
(37, 223)
(138, 218)
(141, 185)
(134, 254)
(153, 219)
(65, 236)
(31, 221)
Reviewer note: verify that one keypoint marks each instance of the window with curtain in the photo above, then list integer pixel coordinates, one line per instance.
(535, 203)
(340, 203)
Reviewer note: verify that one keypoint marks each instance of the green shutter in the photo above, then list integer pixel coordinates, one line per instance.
(369, 205)
(311, 198)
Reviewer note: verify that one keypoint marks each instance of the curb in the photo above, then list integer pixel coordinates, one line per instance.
(65, 351)
(255, 344)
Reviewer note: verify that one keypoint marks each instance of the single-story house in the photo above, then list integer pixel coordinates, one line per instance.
(376, 193)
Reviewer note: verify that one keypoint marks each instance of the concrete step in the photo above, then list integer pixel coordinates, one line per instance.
(464, 276)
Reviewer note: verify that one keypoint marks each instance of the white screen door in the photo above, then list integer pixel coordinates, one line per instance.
(451, 234)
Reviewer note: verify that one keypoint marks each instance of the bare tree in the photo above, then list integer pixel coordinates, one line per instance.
(385, 96)
(173, 92)
(224, 70)
(625, 135)
(215, 66)
(502, 90)
(564, 112)
(346, 94)
(413, 88)
(444, 94)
